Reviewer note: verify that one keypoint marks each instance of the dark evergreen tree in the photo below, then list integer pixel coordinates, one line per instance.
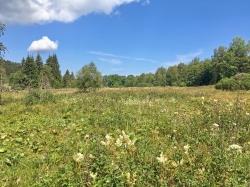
(52, 62)
(30, 70)
(67, 79)
(39, 63)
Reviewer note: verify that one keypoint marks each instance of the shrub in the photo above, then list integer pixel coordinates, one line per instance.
(38, 97)
(237, 82)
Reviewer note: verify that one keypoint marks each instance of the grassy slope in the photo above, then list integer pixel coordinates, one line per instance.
(38, 143)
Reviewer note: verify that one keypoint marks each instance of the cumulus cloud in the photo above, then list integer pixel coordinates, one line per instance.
(44, 44)
(42, 11)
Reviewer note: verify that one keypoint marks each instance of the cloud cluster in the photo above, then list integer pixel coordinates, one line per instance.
(44, 44)
(42, 11)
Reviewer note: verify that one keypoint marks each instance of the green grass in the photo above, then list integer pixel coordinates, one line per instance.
(115, 137)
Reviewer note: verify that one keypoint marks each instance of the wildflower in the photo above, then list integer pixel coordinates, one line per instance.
(248, 114)
(3, 136)
(174, 131)
(216, 125)
(131, 179)
(234, 124)
(93, 175)
(108, 140)
(203, 98)
(91, 156)
(162, 158)
(186, 148)
(174, 164)
(86, 136)
(235, 147)
(79, 157)
(118, 142)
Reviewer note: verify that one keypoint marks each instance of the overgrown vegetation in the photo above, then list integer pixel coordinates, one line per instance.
(237, 82)
(127, 137)
(39, 97)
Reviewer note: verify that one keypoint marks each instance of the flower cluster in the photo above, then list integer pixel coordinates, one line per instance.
(79, 157)
(162, 158)
(236, 148)
(122, 140)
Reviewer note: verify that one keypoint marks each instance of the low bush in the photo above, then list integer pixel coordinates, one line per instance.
(237, 82)
(38, 97)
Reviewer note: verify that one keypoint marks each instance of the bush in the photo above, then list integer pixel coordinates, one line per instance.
(38, 97)
(237, 82)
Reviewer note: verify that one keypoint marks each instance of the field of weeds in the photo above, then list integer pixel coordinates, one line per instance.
(126, 137)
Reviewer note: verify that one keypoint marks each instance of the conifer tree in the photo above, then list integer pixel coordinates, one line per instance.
(52, 62)
(31, 71)
(39, 63)
(67, 79)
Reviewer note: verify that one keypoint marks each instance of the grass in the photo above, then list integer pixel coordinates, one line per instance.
(127, 137)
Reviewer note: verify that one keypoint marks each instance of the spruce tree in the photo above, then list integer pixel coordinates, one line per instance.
(31, 71)
(39, 63)
(52, 62)
(67, 79)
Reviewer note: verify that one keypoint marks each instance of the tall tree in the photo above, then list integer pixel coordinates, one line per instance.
(39, 63)
(55, 70)
(30, 70)
(89, 78)
(67, 79)
(160, 77)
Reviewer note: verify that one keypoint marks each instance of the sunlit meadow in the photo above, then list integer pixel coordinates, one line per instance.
(127, 137)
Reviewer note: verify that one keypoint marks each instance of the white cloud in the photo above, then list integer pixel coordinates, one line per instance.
(112, 56)
(44, 44)
(42, 11)
(113, 61)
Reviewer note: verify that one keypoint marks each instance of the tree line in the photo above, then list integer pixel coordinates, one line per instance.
(225, 62)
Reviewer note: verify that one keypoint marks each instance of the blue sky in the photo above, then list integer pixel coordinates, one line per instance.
(134, 37)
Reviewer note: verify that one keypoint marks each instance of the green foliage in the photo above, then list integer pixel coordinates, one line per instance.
(89, 78)
(69, 80)
(39, 97)
(160, 77)
(18, 80)
(237, 82)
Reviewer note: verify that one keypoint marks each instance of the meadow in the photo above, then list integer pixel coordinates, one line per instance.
(126, 137)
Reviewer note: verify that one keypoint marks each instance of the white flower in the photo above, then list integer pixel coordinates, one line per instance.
(118, 142)
(248, 114)
(86, 136)
(93, 175)
(108, 141)
(216, 125)
(79, 157)
(235, 147)
(186, 148)
(203, 98)
(162, 158)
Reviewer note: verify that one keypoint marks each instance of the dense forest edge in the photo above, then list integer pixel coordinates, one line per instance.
(228, 68)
